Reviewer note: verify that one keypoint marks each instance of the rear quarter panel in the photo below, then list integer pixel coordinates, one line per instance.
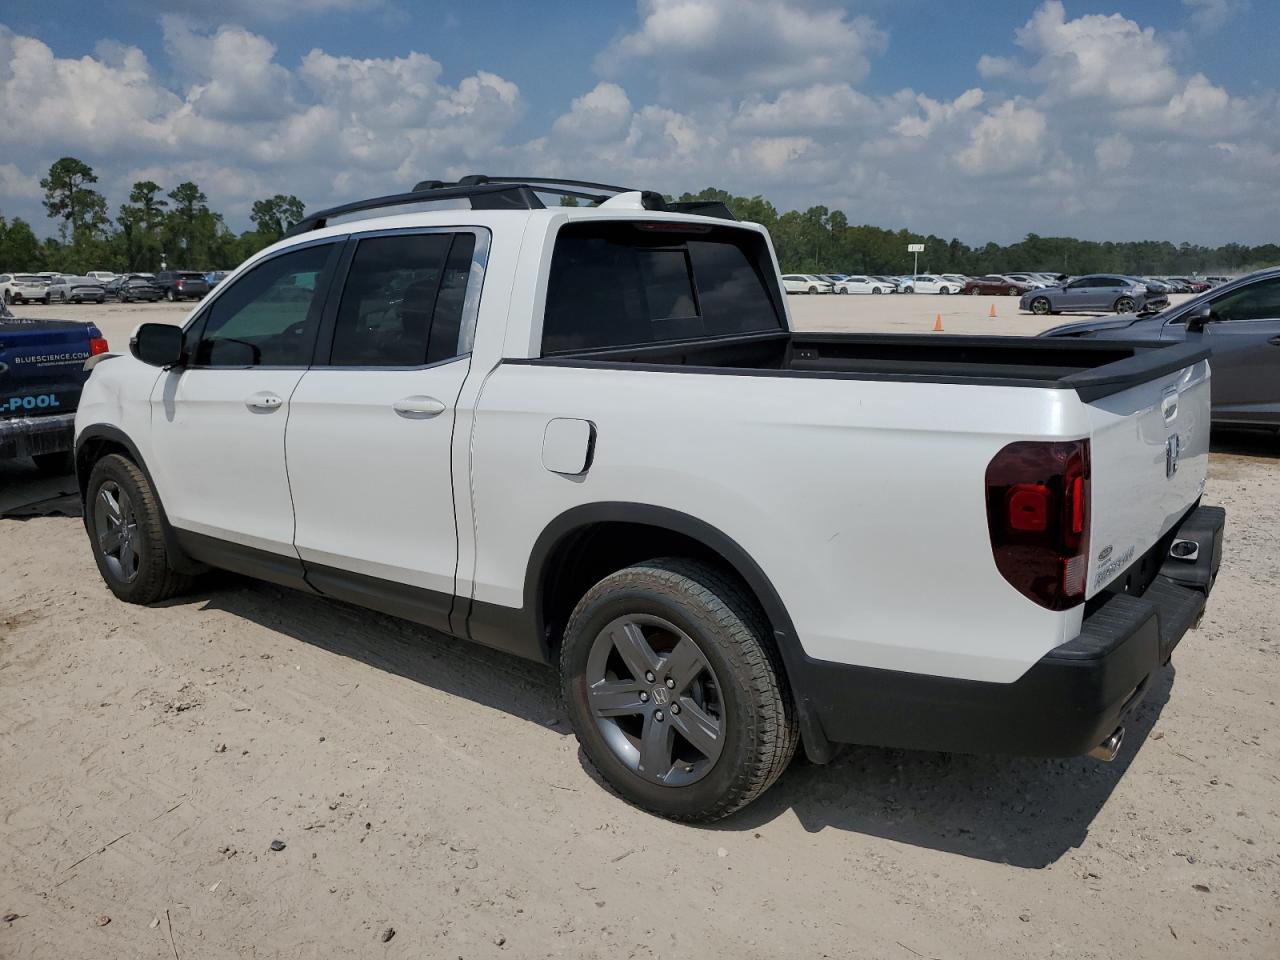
(862, 501)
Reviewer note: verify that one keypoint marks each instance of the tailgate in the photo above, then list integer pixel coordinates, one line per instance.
(1150, 456)
(42, 366)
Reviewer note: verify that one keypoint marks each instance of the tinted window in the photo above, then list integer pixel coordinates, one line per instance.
(403, 300)
(1258, 301)
(615, 284)
(268, 317)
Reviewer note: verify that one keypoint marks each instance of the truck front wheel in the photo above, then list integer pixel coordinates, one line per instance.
(676, 694)
(126, 533)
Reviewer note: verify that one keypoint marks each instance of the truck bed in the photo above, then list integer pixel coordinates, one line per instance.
(1092, 369)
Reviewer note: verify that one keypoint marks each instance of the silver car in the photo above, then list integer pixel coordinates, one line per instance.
(64, 289)
(1099, 292)
(1239, 322)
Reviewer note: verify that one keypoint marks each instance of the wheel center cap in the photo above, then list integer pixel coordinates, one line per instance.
(660, 694)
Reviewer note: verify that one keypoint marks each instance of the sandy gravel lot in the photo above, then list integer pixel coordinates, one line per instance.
(150, 756)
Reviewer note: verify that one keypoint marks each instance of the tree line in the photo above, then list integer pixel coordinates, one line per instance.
(153, 226)
(178, 227)
(819, 240)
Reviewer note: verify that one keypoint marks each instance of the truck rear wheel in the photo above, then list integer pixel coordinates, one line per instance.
(675, 692)
(126, 533)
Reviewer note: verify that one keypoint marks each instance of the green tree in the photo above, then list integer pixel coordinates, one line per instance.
(19, 248)
(274, 215)
(69, 198)
(187, 225)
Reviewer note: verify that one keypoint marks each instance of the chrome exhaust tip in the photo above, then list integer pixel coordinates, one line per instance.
(1106, 751)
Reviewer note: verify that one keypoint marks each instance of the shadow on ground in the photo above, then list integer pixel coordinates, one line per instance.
(1025, 812)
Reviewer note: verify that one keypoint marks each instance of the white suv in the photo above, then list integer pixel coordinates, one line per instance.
(590, 436)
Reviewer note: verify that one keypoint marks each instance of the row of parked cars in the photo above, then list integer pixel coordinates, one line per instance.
(98, 286)
(1040, 293)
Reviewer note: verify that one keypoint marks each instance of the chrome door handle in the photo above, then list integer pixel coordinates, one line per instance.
(418, 408)
(263, 401)
(1274, 341)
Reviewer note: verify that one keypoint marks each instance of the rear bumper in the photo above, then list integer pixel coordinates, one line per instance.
(1065, 705)
(30, 436)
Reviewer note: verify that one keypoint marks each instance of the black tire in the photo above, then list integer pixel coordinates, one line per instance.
(813, 289)
(1040, 306)
(843, 290)
(1013, 291)
(8, 297)
(55, 464)
(974, 291)
(153, 579)
(1124, 305)
(943, 290)
(876, 290)
(45, 299)
(748, 695)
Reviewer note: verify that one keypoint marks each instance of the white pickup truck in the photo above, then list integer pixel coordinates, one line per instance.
(592, 437)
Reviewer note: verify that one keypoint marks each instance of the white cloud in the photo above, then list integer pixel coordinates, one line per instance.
(1100, 129)
(1096, 56)
(601, 113)
(1009, 138)
(728, 46)
(1209, 15)
(1113, 153)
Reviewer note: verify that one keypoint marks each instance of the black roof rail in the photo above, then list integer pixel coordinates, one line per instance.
(505, 193)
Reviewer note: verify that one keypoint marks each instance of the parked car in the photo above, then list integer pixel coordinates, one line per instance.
(24, 287)
(1238, 322)
(66, 289)
(891, 284)
(861, 285)
(41, 375)
(928, 283)
(349, 412)
(135, 286)
(182, 284)
(994, 285)
(1101, 292)
(805, 283)
(957, 278)
(102, 276)
(1030, 279)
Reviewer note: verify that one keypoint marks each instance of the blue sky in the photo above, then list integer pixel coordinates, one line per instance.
(1116, 120)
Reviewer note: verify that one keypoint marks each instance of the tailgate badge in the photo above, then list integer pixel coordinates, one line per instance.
(1172, 448)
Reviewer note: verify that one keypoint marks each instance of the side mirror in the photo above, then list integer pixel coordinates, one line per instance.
(159, 344)
(1202, 315)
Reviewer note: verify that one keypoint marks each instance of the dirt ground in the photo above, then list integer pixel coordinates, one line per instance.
(150, 756)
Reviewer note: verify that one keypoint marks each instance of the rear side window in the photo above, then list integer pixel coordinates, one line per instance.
(402, 303)
(629, 284)
(269, 316)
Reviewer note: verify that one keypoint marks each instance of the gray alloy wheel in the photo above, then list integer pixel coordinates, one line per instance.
(171, 296)
(813, 289)
(1124, 305)
(843, 290)
(974, 291)
(116, 528)
(1040, 306)
(655, 700)
(876, 290)
(1013, 291)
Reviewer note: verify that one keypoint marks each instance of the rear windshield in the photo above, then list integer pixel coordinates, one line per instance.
(191, 276)
(623, 284)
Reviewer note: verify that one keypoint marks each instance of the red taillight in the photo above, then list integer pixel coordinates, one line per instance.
(98, 345)
(1038, 517)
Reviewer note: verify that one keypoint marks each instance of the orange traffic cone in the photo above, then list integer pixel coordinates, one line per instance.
(993, 311)
(937, 324)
